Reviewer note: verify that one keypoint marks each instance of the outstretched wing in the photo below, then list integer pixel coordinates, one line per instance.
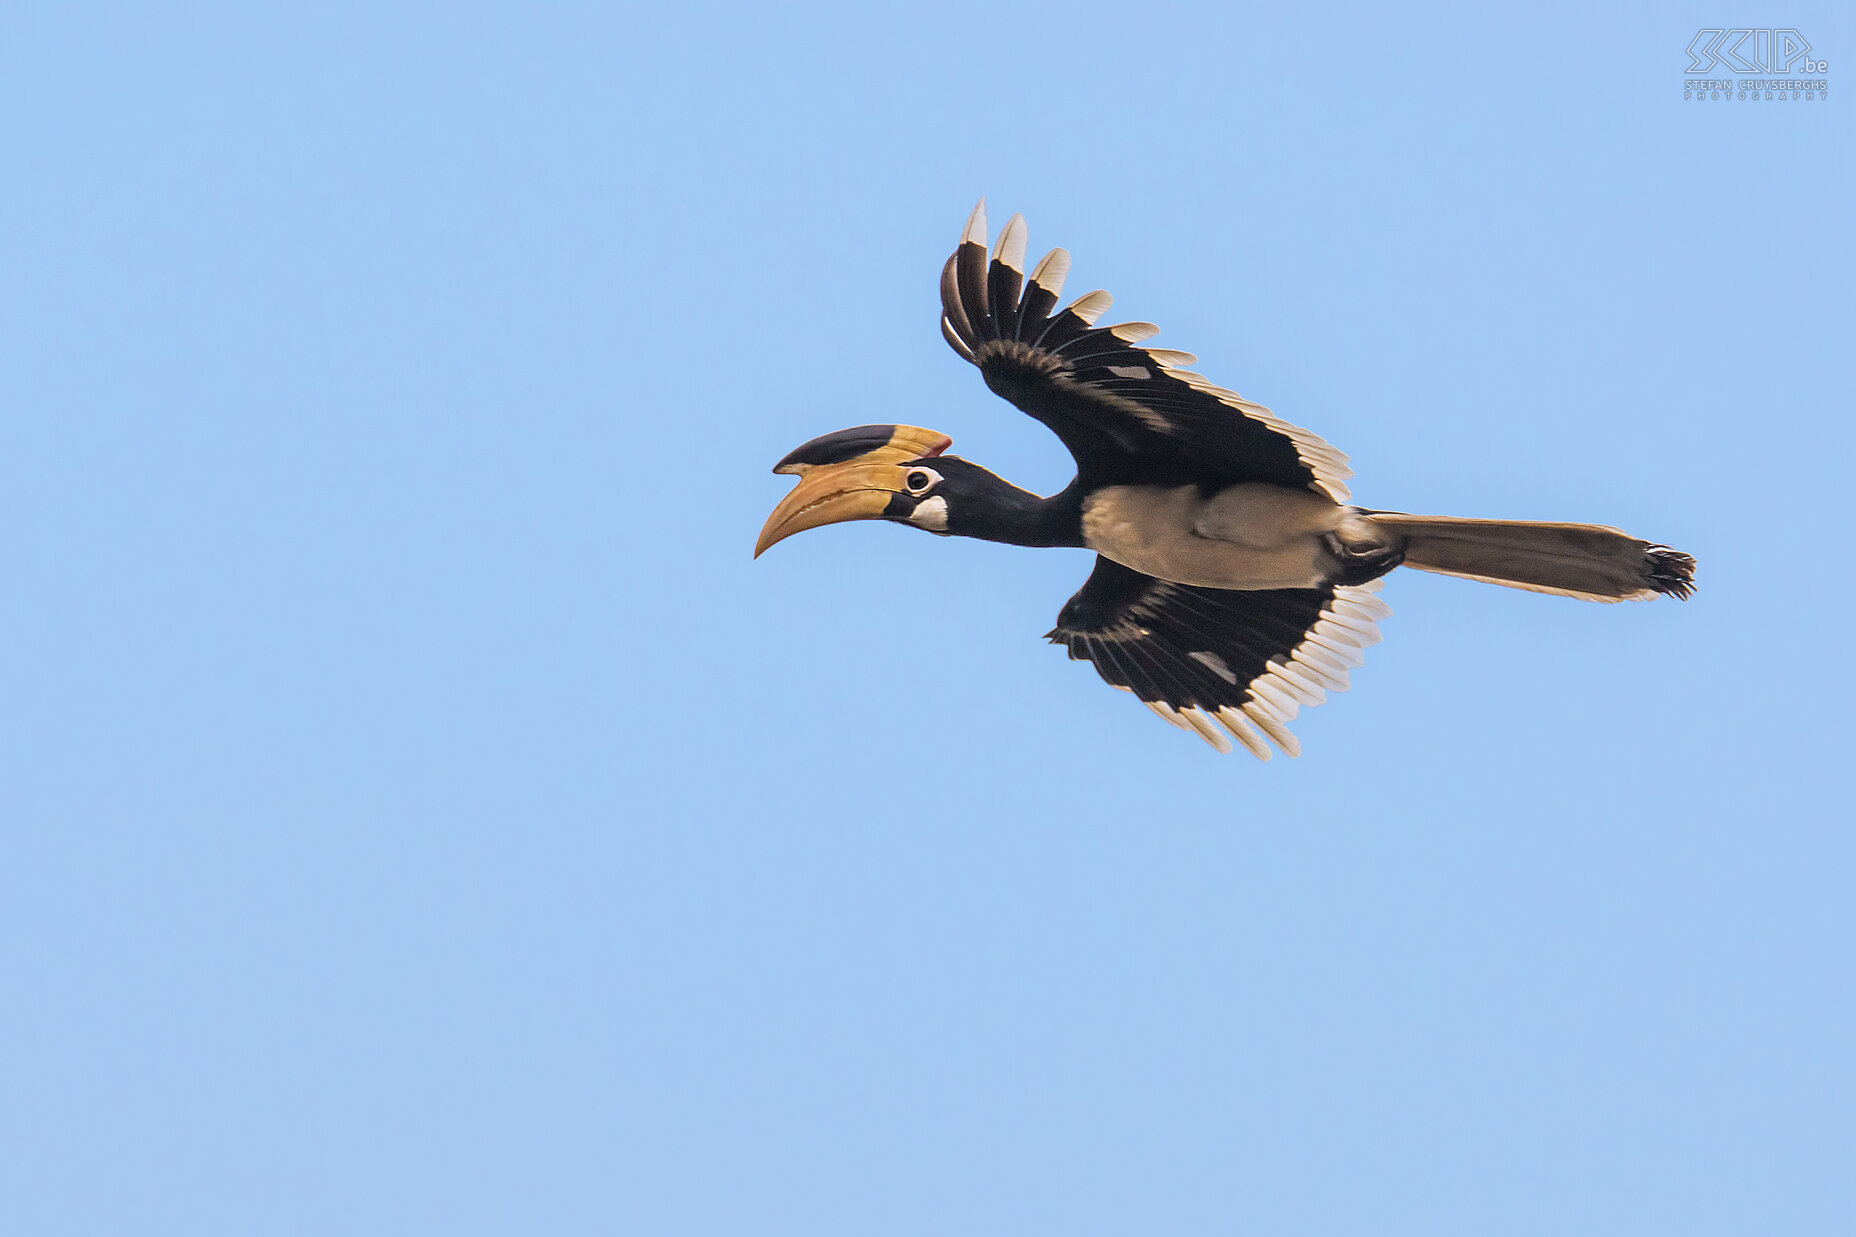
(1246, 659)
(1129, 414)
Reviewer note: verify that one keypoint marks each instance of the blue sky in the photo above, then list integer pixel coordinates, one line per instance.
(420, 815)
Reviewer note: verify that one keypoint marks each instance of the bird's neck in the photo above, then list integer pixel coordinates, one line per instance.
(1013, 516)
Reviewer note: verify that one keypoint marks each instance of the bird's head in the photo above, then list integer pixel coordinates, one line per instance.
(872, 472)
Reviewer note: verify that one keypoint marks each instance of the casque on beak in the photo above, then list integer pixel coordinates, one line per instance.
(854, 474)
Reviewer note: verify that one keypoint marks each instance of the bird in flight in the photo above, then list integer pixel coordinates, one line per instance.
(1234, 581)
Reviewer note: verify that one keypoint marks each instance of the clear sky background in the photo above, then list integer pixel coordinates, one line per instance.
(421, 816)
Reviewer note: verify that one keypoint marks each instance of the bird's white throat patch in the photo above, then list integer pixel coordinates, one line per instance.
(931, 514)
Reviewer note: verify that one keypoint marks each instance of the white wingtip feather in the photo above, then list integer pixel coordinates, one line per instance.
(1012, 240)
(1265, 687)
(976, 226)
(1273, 727)
(1369, 604)
(1210, 733)
(1241, 731)
(1332, 677)
(1166, 713)
(1347, 654)
(1052, 269)
(1092, 306)
(1299, 682)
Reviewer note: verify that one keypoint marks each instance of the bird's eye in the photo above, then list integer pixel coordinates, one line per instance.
(918, 481)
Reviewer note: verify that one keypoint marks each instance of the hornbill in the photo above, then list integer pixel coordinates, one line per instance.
(1234, 582)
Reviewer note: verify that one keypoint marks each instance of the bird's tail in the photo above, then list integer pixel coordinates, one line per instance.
(1588, 561)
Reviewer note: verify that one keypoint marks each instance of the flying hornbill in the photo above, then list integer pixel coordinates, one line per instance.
(1233, 580)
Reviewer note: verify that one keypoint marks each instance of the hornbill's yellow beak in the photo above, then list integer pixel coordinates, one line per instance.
(832, 494)
(854, 474)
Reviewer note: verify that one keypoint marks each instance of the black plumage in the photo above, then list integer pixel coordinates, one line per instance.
(1240, 656)
(1129, 414)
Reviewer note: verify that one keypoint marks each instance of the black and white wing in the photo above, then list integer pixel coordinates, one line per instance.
(1129, 414)
(1246, 660)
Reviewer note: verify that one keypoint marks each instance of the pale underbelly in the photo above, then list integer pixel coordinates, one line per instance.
(1245, 537)
(1219, 564)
